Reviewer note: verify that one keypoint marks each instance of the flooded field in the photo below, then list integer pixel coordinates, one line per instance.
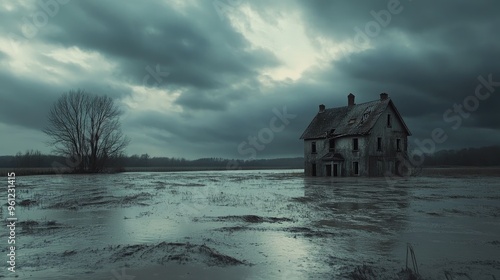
(253, 225)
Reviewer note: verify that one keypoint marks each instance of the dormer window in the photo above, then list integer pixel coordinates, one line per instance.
(366, 114)
(365, 117)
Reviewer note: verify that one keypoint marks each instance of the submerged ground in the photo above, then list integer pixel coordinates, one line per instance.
(254, 225)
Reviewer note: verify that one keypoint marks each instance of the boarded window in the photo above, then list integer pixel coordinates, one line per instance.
(355, 168)
(313, 147)
(355, 145)
(379, 144)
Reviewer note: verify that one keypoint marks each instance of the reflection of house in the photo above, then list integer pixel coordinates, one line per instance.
(366, 139)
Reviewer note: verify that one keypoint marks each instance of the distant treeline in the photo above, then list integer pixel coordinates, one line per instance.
(35, 159)
(484, 156)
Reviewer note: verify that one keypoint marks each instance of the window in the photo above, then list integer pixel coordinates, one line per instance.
(379, 144)
(313, 147)
(366, 115)
(389, 120)
(313, 171)
(332, 145)
(355, 168)
(398, 145)
(355, 144)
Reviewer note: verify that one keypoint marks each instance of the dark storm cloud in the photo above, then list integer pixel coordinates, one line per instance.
(218, 99)
(429, 55)
(196, 47)
(337, 19)
(220, 134)
(427, 82)
(428, 58)
(24, 102)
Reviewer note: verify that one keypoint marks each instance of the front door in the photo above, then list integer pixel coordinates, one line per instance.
(335, 170)
(380, 168)
(328, 169)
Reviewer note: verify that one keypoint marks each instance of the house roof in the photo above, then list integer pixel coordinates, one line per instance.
(357, 119)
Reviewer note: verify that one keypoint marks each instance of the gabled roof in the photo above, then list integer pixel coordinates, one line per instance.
(357, 119)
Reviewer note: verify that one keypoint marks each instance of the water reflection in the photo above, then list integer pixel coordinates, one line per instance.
(364, 216)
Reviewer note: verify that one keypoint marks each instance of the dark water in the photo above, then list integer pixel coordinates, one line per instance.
(253, 225)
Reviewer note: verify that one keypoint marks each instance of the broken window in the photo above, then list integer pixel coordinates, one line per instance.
(366, 114)
(355, 144)
(365, 117)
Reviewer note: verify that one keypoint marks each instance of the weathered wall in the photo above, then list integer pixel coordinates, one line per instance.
(381, 161)
(344, 146)
(310, 158)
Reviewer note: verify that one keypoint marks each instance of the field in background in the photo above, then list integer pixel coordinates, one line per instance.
(426, 171)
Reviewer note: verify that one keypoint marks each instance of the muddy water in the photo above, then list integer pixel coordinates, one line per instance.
(253, 225)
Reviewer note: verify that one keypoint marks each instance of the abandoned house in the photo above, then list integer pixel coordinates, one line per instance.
(367, 139)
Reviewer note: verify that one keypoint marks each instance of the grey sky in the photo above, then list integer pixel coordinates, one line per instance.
(197, 78)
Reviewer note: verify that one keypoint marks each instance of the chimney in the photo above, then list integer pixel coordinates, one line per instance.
(321, 108)
(384, 96)
(350, 99)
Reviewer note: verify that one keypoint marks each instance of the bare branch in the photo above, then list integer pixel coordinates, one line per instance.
(86, 127)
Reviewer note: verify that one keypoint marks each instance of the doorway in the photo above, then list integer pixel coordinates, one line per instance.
(328, 169)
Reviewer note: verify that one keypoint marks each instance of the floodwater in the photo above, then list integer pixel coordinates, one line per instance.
(272, 224)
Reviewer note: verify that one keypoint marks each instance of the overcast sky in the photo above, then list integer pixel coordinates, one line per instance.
(198, 78)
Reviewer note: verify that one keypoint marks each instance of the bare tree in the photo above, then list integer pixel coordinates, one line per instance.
(86, 128)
